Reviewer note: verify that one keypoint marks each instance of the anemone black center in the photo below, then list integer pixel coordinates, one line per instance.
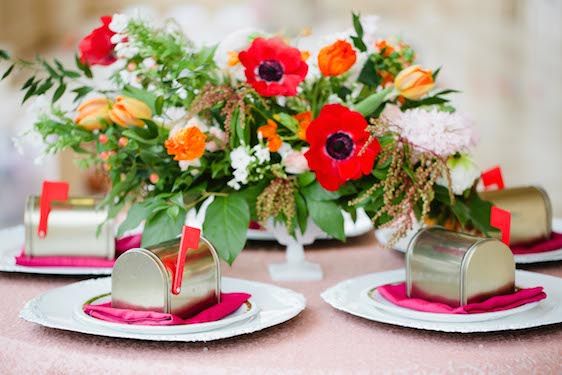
(270, 71)
(339, 146)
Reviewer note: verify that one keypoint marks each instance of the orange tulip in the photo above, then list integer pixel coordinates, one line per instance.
(93, 114)
(336, 59)
(186, 144)
(304, 119)
(383, 45)
(129, 112)
(414, 82)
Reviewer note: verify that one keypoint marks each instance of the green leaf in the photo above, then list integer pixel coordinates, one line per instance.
(306, 178)
(159, 104)
(81, 92)
(370, 104)
(30, 92)
(28, 83)
(162, 227)
(83, 67)
(328, 216)
(316, 192)
(358, 39)
(368, 75)
(59, 92)
(4, 55)
(8, 71)
(136, 214)
(44, 87)
(226, 224)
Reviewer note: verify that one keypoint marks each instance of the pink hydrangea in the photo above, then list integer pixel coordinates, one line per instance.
(439, 132)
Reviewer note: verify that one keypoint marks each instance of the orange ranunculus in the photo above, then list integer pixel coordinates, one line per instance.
(186, 144)
(274, 143)
(304, 119)
(383, 45)
(93, 114)
(414, 82)
(129, 112)
(268, 130)
(336, 59)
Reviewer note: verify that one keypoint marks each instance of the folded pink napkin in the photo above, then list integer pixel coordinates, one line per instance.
(121, 245)
(396, 293)
(553, 243)
(229, 303)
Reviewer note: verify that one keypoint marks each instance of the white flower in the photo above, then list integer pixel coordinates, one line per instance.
(125, 50)
(431, 130)
(295, 162)
(241, 175)
(119, 23)
(217, 140)
(261, 153)
(149, 63)
(463, 171)
(234, 184)
(185, 164)
(240, 158)
(182, 93)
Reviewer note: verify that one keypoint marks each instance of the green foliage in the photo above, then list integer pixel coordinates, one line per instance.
(359, 33)
(226, 223)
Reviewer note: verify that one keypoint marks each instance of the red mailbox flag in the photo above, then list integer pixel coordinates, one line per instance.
(189, 240)
(493, 176)
(501, 219)
(51, 191)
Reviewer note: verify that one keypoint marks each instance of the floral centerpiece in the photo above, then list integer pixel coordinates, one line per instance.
(271, 127)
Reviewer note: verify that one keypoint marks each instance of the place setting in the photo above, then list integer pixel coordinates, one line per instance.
(283, 137)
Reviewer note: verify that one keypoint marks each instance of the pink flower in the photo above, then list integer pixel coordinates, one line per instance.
(295, 162)
(442, 133)
(217, 139)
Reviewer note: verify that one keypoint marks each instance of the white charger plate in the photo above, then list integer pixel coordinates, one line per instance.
(248, 310)
(384, 235)
(56, 309)
(373, 297)
(347, 296)
(352, 228)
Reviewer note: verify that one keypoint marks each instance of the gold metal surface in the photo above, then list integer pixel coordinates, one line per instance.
(72, 229)
(457, 268)
(531, 212)
(142, 279)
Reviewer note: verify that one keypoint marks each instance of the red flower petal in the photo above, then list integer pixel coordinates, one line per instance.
(96, 48)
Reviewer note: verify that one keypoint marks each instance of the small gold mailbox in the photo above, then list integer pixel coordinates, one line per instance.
(531, 212)
(457, 268)
(146, 279)
(72, 227)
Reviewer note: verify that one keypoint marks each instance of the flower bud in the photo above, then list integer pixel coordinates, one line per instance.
(336, 59)
(414, 82)
(129, 112)
(93, 114)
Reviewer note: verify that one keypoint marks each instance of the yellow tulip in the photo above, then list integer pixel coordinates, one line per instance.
(414, 82)
(94, 114)
(129, 112)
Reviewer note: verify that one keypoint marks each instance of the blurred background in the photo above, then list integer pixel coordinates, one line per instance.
(505, 55)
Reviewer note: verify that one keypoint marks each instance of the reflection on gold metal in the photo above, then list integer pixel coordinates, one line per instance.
(457, 268)
(142, 279)
(72, 229)
(531, 212)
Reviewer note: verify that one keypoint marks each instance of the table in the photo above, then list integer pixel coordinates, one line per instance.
(319, 340)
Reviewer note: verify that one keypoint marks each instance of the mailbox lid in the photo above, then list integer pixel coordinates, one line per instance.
(488, 269)
(72, 229)
(139, 281)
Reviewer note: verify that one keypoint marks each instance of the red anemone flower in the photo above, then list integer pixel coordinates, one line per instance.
(336, 138)
(272, 67)
(96, 48)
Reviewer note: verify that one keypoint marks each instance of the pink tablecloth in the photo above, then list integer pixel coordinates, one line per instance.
(320, 340)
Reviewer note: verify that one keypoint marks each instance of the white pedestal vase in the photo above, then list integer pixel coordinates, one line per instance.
(296, 267)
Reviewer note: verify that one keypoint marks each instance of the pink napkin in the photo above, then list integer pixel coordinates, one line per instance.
(121, 245)
(229, 303)
(553, 243)
(396, 293)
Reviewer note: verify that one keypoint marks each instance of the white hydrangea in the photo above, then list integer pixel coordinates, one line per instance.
(262, 153)
(240, 158)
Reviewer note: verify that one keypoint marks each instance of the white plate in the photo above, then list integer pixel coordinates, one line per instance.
(56, 309)
(361, 226)
(346, 296)
(248, 310)
(384, 235)
(373, 297)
